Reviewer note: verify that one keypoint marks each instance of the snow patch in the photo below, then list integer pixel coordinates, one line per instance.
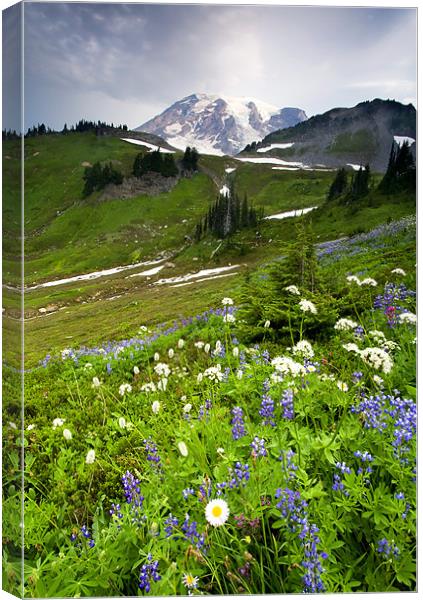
(224, 190)
(151, 147)
(285, 168)
(355, 167)
(94, 274)
(147, 273)
(230, 170)
(272, 146)
(199, 274)
(271, 161)
(173, 128)
(292, 213)
(204, 279)
(402, 139)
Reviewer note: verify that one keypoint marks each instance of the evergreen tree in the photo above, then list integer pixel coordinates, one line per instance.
(339, 185)
(360, 183)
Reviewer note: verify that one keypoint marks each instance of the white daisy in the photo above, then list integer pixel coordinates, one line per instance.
(189, 581)
(217, 512)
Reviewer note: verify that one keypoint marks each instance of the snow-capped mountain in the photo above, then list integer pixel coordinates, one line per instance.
(219, 124)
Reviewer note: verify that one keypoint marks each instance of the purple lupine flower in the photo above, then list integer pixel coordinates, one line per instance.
(294, 510)
(267, 409)
(192, 534)
(287, 404)
(152, 453)
(188, 492)
(149, 572)
(238, 429)
(258, 447)
(385, 548)
(288, 464)
(170, 524)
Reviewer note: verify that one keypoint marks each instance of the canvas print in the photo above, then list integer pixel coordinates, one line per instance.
(209, 299)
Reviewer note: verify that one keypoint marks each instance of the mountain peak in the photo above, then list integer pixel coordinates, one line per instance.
(219, 124)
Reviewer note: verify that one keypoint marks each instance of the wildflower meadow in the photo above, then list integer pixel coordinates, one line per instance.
(267, 445)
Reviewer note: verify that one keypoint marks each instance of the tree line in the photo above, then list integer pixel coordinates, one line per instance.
(400, 176)
(228, 215)
(99, 175)
(79, 127)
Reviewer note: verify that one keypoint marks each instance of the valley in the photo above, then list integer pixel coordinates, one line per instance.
(177, 321)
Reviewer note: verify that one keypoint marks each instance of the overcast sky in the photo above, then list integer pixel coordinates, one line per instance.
(127, 63)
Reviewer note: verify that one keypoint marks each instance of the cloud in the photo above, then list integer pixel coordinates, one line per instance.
(128, 62)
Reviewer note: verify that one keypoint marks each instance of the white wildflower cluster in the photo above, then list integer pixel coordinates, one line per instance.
(66, 353)
(148, 387)
(407, 317)
(96, 382)
(143, 329)
(162, 369)
(353, 279)
(67, 434)
(199, 345)
(369, 281)
(229, 318)
(181, 343)
(345, 325)
(292, 289)
(87, 366)
(351, 347)
(341, 385)
(136, 370)
(378, 336)
(180, 372)
(390, 345)
(58, 422)
(378, 380)
(303, 348)
(227, 301)
(287, 366)
(366, 281)
(90, 458)
(182, 447)
(162, 384)
(155, 407)
(398, 272)
(125, 388)
(187, 408)
(307, 306)
(171, 353)
(214, 373)
(207, 348)
(377, 358)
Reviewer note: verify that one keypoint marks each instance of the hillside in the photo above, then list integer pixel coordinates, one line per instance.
(342, 136)
(91, 264)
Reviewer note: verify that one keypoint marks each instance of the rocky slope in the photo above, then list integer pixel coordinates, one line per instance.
(359, 135)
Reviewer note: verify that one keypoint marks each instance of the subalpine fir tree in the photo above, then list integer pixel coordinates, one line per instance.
(227, 215)
(339, 185)
(401, 170)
